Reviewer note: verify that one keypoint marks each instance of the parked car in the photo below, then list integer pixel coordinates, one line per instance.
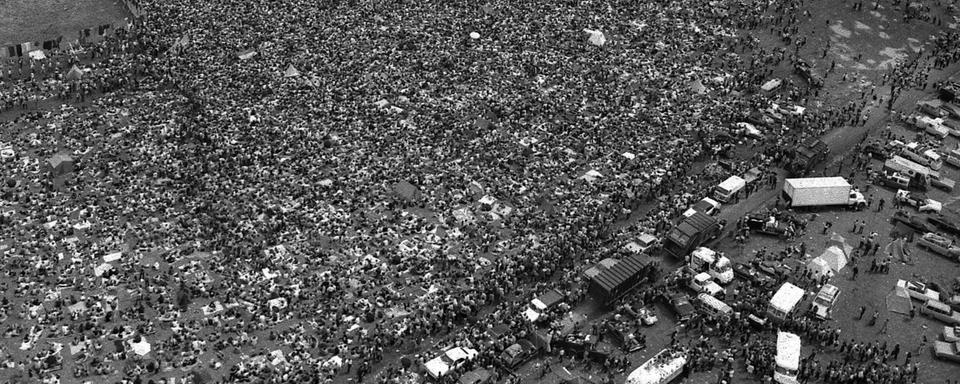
(645, 243)
(703, 283)
(947, 351)
(940, 311)
(914, 222)
(948, 226)
(951, 333)
(681, 305)
(517, 354)
(824, 301)
(918, 201)
(939, 245)
(706, 205)
(919, 291)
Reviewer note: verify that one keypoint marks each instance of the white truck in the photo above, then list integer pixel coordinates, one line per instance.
(822, 191)
(704, 259)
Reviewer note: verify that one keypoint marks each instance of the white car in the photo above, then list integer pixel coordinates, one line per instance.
(706, 205)
(919, 201)
(703, 283)
(919, 291)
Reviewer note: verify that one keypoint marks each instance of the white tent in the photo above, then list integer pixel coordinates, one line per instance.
(836, 240)
(820, 267)
(835, 258)
(898, 301)
(291, 71)
(37, 55)
(596, 37)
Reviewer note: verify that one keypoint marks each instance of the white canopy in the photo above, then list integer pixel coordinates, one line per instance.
(787, 297)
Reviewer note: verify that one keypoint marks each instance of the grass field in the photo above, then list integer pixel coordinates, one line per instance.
(38, 20)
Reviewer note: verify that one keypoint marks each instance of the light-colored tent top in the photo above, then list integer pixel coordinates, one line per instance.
(899, 301)
(835, 258)
(820, 267)
(787, 297)
(74, 74)
(291, 71)
(788, 350)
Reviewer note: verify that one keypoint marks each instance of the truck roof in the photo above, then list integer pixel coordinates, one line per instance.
(818, 182)
(788, 350)
(696, 222)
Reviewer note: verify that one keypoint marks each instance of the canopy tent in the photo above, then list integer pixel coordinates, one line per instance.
(899, 301)
(835, 258)
(596, 37)
(291, 71)
(74, 74)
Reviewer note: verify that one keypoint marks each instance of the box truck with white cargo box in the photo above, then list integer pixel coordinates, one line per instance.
(728, 189)
(821, 191)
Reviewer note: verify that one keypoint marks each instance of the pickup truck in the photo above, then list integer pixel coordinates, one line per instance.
(939, 245)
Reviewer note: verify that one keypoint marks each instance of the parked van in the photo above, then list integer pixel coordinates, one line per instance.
(728, 189)
(824, 301)
(940, 311)
(787, 359)
(934, 160)
(712, 306)
(953, 158)
(784, 301)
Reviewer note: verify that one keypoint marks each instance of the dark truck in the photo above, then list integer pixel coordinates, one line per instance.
(807, 155)
(691, 233)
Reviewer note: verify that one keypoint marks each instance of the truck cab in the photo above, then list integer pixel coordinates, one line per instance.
(704, 259)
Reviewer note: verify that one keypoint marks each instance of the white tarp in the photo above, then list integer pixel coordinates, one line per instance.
(37, 55)
(591, 175)
(141, 348)
(596, 37)
(101, 269)
(112, 257)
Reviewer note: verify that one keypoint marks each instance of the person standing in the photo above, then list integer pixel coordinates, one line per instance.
(863, 309)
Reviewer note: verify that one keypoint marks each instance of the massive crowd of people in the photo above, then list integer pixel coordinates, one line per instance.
(267, 224)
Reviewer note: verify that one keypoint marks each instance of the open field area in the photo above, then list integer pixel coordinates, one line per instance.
(39, 20)
(447, 191)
